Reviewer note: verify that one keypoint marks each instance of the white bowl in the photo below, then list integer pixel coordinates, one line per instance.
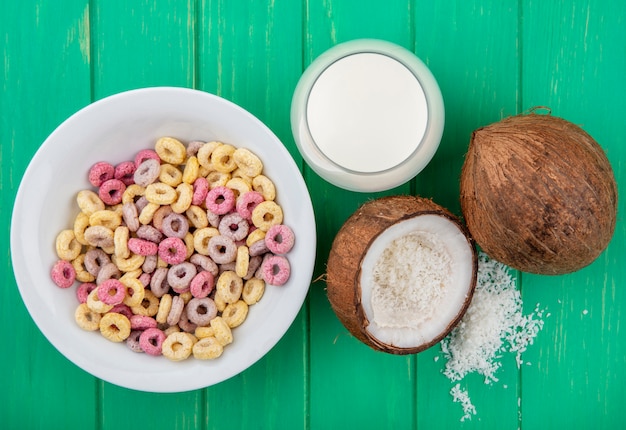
(115, 129)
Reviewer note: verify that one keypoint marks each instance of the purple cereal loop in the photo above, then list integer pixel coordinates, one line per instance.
(111, 292)
(258, 248)
(213, 218)
(111, 191)
(83, 291)
(108, 271)
(253, 265)
(222, 249)
(179, 276)
(145, 278)
(260, 271)
(233, 225)
(193, 147)
(247, 202)
(205, 263)
(158, 282)
(132, 341)
(176, 310)
(276, 270)
(146, 154)
(227, 267)
(150, 233)
(63, 274)
(172, 250)
(151, 341)
(123, 309)
(201, 311)
(149, 264)
(130, 216)
(142, 322)
(184, 323)
(175, 225)
(147, 172)
(159, 215)
(100, 173)
(202, 284)
(220, 200)
(95, 259)
(142, 246)
(200, 191)
(279, 239)
(141, 203)
(125, 172)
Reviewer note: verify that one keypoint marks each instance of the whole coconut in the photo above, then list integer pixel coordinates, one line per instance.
(538, 194)
(401, 273)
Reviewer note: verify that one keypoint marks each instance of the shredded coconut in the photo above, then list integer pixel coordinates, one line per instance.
(493, 325)
(460, 395)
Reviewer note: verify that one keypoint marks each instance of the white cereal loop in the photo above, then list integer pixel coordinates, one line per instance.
(248, 162)
(204, 154)
(89, 202)
(161, 194)
(170, 175)
(265, 186)
(222, 158)
(67, 246)
(170, 150)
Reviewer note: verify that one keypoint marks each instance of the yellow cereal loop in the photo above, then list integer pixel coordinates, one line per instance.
(160, 194)
(131, 192)
(242, 261)
(89, 202)
(82, 275)
(266, 214)
(248, 162)
(170, 175)
(107, 218)
(177, 346)
(189, 244)
(204, 331)
(204, 171)
(265, 186)
(186, 296)
(170, 150)
(201, 239)
(220, 303)
(81, 222)
(149, 306)
(190, 172)
(253, 290)
(204, 154)
(115, 327)
(120, 241)
(207, 348)
(135, 291)
(222, 158)
(235, 313)
(197, 216)
(133, 262)
(238, 185)
(95, 304)
(255, 236)
(67, 246)
(217, 179)
(221, 330)
(165, 306)
(86, 318)
(229, 286)
(171, 329)
(184, 193)
(133, 274)
(240, 174)
(145, 217)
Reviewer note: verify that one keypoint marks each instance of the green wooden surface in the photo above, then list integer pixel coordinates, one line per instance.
(491, 58)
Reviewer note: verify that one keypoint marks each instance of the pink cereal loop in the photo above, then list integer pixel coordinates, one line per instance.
(276, 270)
(247, 202)
(111, 191)
(83, 291)
(125, 172)
(151, 341)
(142, 322)
(63, 274)
(202, 284)
(200, 191)
(172, 250)
(145, 155)
(100, 173)
(220, 200)
(111, 292)
(142, 246)
(122, 309)
(279, 239)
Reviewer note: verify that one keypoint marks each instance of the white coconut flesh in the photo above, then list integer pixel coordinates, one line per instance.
(415, 279)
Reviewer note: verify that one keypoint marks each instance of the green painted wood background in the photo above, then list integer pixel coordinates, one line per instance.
(491, 58)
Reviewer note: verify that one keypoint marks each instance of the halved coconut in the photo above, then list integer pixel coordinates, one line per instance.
(401, 273)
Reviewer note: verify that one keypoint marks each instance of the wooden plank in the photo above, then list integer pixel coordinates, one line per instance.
(139, 44)
(44, 77)
(471, 48)
(574, 63)
(352, 386)
(252, 57)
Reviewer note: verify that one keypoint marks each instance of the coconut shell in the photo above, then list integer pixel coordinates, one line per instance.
(538, 194)
(350, 247)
